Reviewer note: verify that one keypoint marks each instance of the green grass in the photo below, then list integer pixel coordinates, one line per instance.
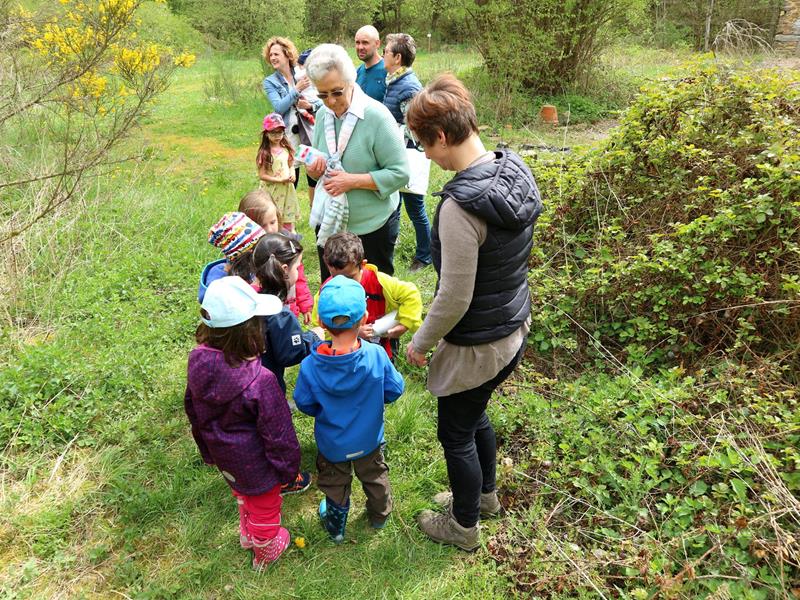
(103, 491)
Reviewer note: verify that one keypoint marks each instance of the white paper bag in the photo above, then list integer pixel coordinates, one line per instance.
(419, 166)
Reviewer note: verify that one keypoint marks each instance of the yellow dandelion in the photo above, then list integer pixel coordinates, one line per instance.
(300, 542)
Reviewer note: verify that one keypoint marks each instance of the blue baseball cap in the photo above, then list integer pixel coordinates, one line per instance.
(341, 297)
(231, 300)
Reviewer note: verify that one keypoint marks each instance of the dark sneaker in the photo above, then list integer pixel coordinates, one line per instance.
(300, 484)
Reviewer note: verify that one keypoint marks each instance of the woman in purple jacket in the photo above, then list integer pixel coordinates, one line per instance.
(238, 412)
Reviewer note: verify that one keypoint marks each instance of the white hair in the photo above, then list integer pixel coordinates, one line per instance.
(326, 58)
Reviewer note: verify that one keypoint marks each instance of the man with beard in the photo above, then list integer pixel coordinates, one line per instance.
(371, 76)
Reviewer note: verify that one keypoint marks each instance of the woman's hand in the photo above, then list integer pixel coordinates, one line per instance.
(339, 182)
(291, 177)
(302, 84)
(414, 357)
(303, 103)
(366, 331)
(317, 168)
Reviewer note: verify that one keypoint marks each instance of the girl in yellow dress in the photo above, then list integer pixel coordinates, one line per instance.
(275, 161)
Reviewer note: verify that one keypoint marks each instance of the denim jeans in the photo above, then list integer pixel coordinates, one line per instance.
(470, 445)
(415, 209)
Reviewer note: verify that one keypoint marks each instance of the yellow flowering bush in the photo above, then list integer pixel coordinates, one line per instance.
(84, 61)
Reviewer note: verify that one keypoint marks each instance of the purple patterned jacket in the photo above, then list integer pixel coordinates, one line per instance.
(241, 422)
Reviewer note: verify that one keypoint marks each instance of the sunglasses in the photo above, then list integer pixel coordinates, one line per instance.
(334, 93)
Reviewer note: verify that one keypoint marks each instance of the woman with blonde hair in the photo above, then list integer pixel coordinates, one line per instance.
(284, 90)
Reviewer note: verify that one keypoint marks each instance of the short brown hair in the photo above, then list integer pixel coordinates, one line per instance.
(404, 45)
(240, 342)
(443, 105)
(289, 49)
(342, 249)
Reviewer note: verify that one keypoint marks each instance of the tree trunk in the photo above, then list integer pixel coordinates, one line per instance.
(708, 25)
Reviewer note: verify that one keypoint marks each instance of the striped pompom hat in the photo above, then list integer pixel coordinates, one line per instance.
(235, 233)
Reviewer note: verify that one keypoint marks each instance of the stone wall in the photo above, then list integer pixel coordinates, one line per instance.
(787, 38)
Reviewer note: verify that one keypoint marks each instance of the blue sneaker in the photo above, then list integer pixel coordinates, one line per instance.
(334, 518)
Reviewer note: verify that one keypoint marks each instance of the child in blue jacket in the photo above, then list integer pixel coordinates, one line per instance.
(344, 385)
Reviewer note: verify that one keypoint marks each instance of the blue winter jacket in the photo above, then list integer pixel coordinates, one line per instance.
(398, 91)
(345, 394)
(286, 343)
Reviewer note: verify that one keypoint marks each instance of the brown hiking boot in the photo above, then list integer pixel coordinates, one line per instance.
(443, 528)
(490, 505)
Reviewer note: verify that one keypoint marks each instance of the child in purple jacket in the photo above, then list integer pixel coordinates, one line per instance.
(239, 415)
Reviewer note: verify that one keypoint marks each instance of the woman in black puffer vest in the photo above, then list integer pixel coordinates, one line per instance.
(480, 317)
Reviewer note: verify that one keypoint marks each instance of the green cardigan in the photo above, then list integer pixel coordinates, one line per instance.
(375, 147)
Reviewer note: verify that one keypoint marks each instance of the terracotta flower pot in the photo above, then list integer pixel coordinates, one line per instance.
(549, 114)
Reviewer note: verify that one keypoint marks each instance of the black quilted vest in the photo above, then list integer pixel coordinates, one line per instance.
(503, 193)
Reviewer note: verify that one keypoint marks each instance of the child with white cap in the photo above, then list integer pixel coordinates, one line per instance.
(239, 415)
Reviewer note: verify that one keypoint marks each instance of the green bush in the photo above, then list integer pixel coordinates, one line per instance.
(545, 45)
(672, 486)
(159, 24)
(680, 237)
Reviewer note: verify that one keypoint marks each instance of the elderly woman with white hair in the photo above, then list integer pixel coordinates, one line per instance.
(363, 133)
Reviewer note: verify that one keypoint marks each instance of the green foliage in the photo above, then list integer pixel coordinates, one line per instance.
(244, 25)
(159, 24)
(545, 45)
(338, 20)
(676, 22)
(680, 237)
(674, 485)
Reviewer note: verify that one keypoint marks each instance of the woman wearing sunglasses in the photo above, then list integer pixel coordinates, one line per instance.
(371, 165)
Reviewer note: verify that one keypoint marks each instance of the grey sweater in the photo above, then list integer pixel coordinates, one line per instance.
(455, 368)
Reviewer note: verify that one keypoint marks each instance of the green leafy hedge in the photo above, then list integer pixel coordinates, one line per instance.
(680, 237)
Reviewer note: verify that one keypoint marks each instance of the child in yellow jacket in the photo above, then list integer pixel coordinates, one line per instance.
(344, 255)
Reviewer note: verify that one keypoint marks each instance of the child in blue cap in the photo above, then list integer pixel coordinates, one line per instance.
(344, 385)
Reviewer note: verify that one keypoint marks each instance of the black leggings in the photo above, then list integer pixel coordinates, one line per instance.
(469, 443)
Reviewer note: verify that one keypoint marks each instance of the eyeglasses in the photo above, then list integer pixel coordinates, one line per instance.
(334, 93)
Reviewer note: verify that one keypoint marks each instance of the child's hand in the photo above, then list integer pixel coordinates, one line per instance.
(366, 331)
(307, 318)
(396, 332)
(302, 83)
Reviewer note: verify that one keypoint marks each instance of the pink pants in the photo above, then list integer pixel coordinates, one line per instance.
(259, 516)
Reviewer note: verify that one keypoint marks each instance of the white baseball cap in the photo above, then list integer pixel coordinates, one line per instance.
(231, 300)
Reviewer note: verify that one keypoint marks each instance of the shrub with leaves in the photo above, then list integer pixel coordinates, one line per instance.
(74, 80)
(670, 486)
(545, 45)
(680, 237)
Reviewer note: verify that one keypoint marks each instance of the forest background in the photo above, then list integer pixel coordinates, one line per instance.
(649, 441)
